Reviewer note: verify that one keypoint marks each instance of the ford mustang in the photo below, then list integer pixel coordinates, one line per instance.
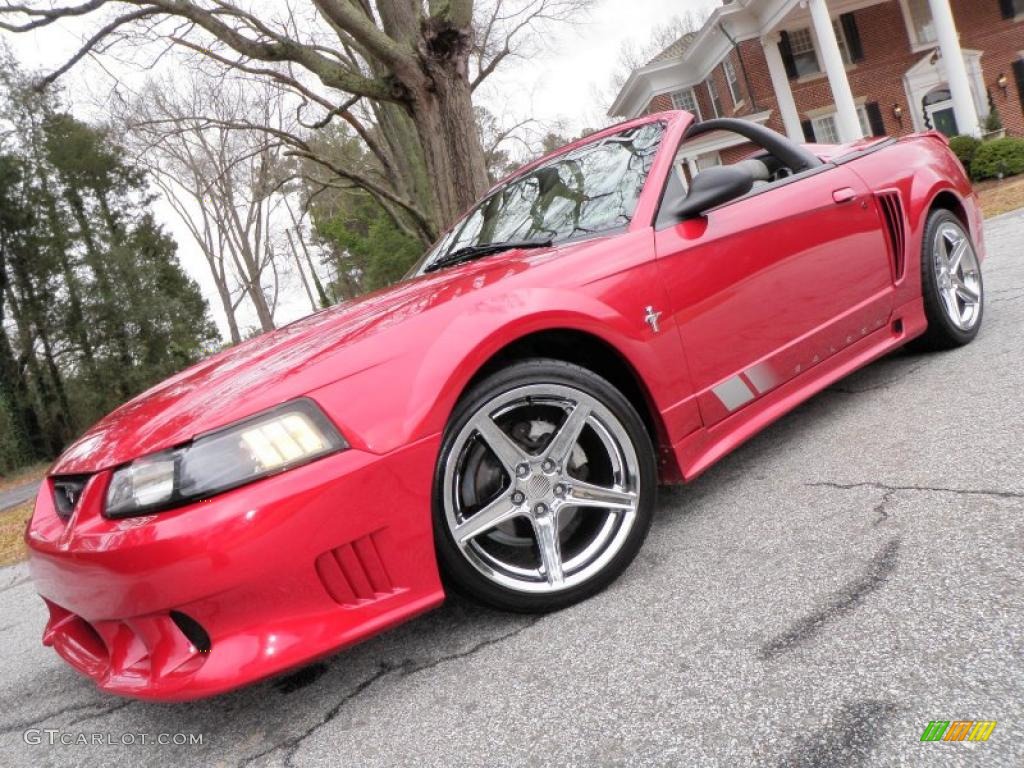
(499, 422)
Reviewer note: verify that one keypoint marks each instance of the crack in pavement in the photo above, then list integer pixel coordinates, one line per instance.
(882, 507)
(404, 669)
(6, 728)
(1006, 294)
(104, 711)
(850, 390)
(892, 489)
(18, 583)
(879, 568)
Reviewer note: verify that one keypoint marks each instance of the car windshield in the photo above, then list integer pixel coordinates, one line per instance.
(590, 190)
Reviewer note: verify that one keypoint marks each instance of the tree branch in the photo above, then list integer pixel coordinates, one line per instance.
(93, 41)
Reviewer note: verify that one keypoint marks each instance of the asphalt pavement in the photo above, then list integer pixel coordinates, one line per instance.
(18, 495)
(813, 600)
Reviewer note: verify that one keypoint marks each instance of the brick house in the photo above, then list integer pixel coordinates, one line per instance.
(837, 70)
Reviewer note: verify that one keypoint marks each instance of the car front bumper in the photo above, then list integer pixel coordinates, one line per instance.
(276, 573)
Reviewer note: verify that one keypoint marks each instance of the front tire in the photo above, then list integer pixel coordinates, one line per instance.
(951, 284)
(544, 489)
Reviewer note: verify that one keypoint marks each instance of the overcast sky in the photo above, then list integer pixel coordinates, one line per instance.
(560, 86)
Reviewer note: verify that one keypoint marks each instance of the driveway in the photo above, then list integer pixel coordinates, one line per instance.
(19, 495)
(814, 600)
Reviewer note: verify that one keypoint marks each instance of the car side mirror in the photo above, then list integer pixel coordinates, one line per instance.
(713, 187)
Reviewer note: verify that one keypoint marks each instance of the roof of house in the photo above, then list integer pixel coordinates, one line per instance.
(677, 49)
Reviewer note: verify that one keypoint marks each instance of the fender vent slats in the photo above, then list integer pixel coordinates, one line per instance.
(354, 573)
(892, 211)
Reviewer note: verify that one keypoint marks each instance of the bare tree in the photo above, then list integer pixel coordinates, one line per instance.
(633, 56)
(399, 73)
(223, 178)
(298, 245)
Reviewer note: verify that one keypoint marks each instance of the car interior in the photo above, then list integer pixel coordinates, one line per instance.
(777, 160)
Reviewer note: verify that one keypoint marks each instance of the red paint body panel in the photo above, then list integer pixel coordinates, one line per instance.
(775, 295)
(244, 566)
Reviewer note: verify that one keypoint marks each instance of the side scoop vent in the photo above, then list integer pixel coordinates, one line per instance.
(354, 573)
(892, 212)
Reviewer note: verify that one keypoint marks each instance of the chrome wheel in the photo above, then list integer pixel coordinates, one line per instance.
(957, 276)
(541, 488)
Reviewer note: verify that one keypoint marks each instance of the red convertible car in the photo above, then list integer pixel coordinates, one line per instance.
(499, 421)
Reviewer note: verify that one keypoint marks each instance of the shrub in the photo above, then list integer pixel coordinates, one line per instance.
(1002, 157)
(993, 122)
(965, 148)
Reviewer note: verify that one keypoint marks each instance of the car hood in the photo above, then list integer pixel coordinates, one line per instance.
(277, 366)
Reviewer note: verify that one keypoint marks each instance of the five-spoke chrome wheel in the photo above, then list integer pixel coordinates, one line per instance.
(957, 275)
(541, 487)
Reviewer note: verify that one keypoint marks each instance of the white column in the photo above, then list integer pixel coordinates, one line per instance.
(783, 93)
(846, 109)
(956, 71)
(691, 163)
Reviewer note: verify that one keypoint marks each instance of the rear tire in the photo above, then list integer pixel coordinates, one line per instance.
(951, 284)
(544, 489)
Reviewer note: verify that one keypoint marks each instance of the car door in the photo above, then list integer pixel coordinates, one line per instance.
(766, 287)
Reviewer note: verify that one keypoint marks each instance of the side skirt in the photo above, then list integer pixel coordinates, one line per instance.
(699, 450)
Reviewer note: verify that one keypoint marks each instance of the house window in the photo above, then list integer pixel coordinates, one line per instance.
(920, 22)
(844, 48)
(1013, 8)
(709, 160)
(686, 99)
(826, 131)
(716, 101)
(805, 54)
(805, 58)
(732, 80)
(865, 121)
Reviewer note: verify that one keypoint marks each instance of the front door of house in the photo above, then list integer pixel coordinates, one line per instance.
(943, 118)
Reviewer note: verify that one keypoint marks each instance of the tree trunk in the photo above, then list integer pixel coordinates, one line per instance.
(442, 111)
(61, 253)
(14, 394)
(94, 259)
(52, 435)
(229, 308)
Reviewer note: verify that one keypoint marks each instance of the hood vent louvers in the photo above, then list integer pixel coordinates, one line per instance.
(892, 212)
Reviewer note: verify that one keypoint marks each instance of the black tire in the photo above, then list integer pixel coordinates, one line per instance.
(943, 333)
(457, 570)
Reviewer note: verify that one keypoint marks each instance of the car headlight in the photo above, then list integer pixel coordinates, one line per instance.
(270, 442)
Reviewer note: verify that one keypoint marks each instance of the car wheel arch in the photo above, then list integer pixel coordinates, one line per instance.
(584, 347)
(947, 199)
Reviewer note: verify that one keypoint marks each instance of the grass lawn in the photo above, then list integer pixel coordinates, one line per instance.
(12, 532)
(22, 476)
(998, 197)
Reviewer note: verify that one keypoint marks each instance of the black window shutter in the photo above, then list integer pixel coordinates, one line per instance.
(852, 33)
(1007, 6)
(808, 127)
(1018, 72)
(875, 118)
(787, 56)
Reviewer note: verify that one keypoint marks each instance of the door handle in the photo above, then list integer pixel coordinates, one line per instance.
(844, 195)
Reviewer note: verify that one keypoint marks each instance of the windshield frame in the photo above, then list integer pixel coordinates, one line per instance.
(668, 122)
